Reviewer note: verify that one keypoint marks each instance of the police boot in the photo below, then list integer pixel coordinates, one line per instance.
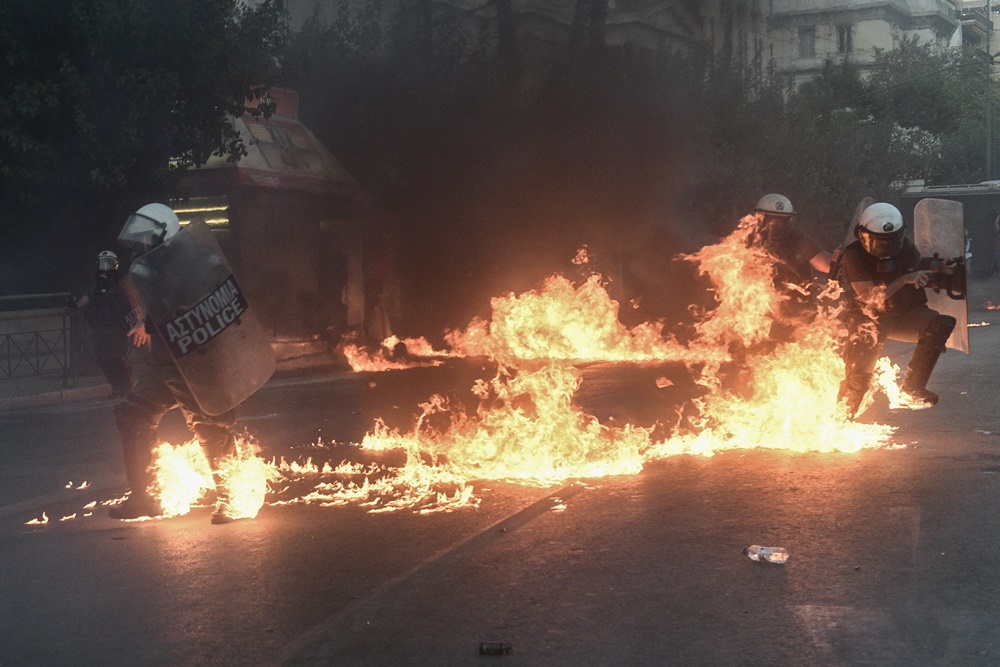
(224, 511)
(918, 372)
(923, 359)
(137, 450)
(852, 392)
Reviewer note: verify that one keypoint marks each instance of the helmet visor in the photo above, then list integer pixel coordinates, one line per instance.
(141, 232)
(882, 246)
(106, 264)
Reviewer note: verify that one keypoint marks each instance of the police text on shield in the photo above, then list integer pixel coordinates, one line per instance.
(207, 319)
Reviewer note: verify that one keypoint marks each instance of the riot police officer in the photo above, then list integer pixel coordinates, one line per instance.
(883, 277)
(796, 255)
(160, 386)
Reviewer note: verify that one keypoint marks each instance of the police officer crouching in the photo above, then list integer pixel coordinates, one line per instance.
(883, 276)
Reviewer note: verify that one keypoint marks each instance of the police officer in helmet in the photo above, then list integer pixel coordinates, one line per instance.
(883, 277)
(796, 256)
(160, 386)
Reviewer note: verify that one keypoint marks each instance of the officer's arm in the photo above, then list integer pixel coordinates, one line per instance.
(139, 335)
(915, 278)
(863, 288)
(821, 261)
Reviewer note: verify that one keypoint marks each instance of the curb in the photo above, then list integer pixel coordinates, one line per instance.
(289, 371)
(69, 395)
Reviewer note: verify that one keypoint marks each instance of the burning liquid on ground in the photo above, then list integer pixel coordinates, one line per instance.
(755, 391)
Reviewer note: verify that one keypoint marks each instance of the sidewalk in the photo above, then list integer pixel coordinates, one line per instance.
(47, 388)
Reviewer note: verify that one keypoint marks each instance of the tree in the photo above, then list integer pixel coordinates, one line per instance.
(500, 162)
(103, 101)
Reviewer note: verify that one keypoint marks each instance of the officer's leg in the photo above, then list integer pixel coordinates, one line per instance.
(213, 433)
(138, 418)
(932, 331)
(859, 364)
(861, 352)
(217, 441)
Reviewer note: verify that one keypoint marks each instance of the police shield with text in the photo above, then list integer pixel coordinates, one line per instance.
(884, 278)
(208, 351)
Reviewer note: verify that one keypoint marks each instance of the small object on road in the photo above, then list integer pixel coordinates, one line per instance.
(495, 648)
(771, 554)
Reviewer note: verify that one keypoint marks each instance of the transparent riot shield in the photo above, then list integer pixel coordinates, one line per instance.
(939, 229)
(191, 296)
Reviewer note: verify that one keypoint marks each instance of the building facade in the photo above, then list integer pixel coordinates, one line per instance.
(794, 37)
(805, 34)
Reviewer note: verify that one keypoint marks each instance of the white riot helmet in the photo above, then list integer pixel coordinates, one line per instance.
(107, 262)
(881, 230)
(775, 205)
(148, 227)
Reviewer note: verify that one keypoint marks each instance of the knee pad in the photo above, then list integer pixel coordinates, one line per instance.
(939, 330)
(942, 325)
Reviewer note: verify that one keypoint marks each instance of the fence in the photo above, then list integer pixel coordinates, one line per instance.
(40, 334)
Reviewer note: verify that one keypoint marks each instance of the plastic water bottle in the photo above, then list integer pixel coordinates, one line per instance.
(770, 554)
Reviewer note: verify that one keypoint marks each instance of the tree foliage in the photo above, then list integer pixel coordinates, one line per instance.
(499, 160)
(99, 96)
(102, 94)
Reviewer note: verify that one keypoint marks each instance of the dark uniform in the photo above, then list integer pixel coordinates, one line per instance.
(792, 252)
(904, 316)
(109, 340)
(160, 388)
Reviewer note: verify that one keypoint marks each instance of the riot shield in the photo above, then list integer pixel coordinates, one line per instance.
(939, 228)
(196, 305)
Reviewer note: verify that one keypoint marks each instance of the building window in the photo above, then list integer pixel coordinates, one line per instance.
(845, 44)
(807, 42)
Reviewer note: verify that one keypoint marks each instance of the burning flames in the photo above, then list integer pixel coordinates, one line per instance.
(756, 392)
(528, 428)
(394, 354)
(183, 477)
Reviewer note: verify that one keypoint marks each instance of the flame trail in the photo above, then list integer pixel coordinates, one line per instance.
(758, 392)
(528, 428)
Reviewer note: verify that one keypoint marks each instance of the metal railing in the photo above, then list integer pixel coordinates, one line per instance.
(40, 334)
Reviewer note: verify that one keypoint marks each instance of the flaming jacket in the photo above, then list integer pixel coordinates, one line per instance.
(792, 251)
(856, 265)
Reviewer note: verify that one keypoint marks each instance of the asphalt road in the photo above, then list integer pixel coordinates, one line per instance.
(894, 552)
